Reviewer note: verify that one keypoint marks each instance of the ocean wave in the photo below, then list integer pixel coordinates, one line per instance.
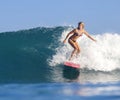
(26, 55)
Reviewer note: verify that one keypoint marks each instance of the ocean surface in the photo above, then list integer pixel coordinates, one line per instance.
(31, 66)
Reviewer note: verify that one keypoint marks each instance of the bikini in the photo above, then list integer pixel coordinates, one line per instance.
(76, 34)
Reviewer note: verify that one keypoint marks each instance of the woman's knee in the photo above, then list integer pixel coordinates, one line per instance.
(75, 49)
(78, 50)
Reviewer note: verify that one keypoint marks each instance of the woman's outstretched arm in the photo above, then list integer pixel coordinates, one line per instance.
(86, 33)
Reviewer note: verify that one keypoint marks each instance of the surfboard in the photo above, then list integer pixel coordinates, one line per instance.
(71, 64)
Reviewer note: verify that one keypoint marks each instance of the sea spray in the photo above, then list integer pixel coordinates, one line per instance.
(102, 55)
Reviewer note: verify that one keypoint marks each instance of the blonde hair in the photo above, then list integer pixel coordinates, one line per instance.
(81, 23)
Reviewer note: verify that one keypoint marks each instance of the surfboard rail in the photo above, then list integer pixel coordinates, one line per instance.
(71, 64)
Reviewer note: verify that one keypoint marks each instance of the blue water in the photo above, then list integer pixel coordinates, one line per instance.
(26, 72)
(60, 91)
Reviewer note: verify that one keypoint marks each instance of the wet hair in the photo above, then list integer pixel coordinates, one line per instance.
(80, 24)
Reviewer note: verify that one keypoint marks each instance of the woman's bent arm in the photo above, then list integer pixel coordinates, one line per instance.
(68, 35)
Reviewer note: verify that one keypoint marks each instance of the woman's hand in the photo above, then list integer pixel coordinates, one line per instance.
(95, 40)
(64, 41)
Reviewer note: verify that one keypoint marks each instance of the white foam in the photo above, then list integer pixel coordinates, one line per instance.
(104, 55)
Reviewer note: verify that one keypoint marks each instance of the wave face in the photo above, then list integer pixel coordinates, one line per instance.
(23, 54)
(27, 55)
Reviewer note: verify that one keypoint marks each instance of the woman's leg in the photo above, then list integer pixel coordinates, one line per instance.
(73, 54)
(73, 44)
(78, 48)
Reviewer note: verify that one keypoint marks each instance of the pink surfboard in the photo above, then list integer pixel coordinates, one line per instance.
(71, 64)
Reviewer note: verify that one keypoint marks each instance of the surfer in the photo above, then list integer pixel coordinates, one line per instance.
(75, 34)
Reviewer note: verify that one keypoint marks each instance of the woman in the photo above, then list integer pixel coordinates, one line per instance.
(75, 34)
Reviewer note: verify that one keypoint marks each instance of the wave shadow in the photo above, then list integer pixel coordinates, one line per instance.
(70, 73)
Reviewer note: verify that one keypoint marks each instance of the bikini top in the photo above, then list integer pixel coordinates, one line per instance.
(77, 34)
